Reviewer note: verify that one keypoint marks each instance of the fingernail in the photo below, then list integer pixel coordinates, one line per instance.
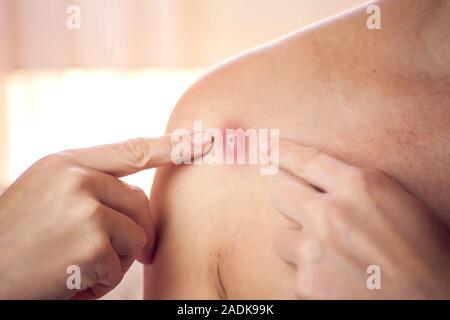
(201, 145)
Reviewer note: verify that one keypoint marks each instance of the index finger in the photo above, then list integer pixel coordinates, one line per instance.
(313, 166)
(132, 156)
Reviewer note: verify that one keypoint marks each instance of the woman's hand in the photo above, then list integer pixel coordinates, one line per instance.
(70, 209)
(351, 222)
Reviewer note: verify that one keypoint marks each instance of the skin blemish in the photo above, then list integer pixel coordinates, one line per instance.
(235, 144)
(236, 139)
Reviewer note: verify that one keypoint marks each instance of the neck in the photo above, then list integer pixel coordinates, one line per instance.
(436, 36)
(423, 29)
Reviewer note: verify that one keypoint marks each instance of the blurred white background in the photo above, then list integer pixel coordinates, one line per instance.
(48, 111)
(121, 73)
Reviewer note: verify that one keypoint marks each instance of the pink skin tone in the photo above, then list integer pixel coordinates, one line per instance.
(234, 144)
(230, 149)
(82, 215)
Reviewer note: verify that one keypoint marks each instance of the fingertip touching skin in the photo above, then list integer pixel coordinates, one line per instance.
(218, 222)
(234, 144)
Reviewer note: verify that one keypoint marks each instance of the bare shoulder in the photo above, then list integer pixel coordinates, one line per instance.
(215, 224)
(323, 87)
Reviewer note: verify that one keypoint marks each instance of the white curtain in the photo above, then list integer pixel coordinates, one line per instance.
(148, 33)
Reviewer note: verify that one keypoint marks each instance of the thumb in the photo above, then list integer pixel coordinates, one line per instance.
(132, 156)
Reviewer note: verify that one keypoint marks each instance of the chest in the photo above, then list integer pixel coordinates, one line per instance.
(403, 131)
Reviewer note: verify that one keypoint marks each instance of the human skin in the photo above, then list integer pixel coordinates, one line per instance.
(352, 222)
(378, 99)
(70, 209)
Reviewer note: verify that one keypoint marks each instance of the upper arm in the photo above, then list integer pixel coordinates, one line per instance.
(186, 207)
(215, 224)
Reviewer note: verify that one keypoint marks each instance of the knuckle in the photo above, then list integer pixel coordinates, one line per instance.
(95, 214)
(50, 159)
(98, 250)
(90, 212)
(78, 178)
(110, 269)
(137, 151)
(307, 285)
(53, 161)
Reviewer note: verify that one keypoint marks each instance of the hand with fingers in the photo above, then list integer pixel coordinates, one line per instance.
(348, 221)
(70, 209)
